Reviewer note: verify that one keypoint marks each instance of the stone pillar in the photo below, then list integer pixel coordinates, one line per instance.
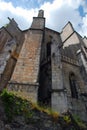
(59, 99)
(25, 75)
(83, 67)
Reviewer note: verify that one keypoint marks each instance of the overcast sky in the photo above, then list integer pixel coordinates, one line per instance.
(57, 13)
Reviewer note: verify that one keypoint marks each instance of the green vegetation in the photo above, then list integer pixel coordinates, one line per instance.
(15, 106)
(35, 106)
(78, 121)
(67, 118)
(44, 109)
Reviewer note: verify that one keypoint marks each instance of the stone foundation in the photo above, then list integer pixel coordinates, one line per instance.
(59, 102)
(30, 90)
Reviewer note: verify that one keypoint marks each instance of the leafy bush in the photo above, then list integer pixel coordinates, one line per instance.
(15, 106)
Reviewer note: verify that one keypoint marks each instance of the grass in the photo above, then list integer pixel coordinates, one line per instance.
(79, 122)
(44, 109)
(18, 104)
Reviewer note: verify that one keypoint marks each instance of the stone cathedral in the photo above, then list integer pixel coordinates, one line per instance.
(49, 66)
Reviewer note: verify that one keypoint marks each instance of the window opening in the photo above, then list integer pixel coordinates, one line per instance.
(73, 85)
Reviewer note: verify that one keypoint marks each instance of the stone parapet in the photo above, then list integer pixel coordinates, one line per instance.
(69, 60)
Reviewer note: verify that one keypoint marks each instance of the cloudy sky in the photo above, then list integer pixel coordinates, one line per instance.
(57, 13)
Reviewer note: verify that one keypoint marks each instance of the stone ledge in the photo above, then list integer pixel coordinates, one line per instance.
(17, 83)
(58, 90)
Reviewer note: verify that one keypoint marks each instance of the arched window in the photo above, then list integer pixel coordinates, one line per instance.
(73, 85)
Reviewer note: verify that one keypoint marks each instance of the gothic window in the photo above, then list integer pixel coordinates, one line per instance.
(73, 85)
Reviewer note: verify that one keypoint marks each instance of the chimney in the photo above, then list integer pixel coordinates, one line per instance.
(39, 21)
(41, 13)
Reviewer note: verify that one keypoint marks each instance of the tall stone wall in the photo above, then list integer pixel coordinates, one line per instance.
(27, 67)
(26, 71)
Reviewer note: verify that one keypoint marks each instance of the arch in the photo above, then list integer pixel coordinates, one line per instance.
(73, 85)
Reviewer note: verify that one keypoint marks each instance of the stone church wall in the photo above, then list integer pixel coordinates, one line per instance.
(77, 106)
(39, 60)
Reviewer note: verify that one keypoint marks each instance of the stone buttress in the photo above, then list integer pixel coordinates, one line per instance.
(58, 97)
(26, 72)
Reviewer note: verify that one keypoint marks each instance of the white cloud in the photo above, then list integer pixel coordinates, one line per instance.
(22, 16)
(83, 30)
(84, 4)
(57, 14)
(60, 12)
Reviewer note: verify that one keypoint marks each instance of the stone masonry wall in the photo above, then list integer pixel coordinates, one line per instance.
(5, 54)
(26, 71)
(27, 67)
(11, 43)
(77, 106)
(4, 37)
(29, 90)
(59, 99)
(67, 68)
(67, 31)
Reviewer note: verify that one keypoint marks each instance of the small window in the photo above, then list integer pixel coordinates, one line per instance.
(73, 85)
(48, 49)
(0, 32)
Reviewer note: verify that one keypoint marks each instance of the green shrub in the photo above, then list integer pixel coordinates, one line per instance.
(15, 105)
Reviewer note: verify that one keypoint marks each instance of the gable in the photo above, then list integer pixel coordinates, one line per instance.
(67, 31)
